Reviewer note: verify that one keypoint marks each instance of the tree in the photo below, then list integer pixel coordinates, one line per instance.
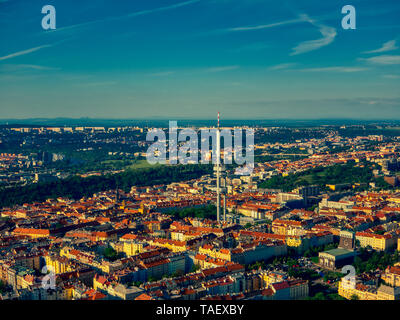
(307, 253)
(76, 187)
(194, 268)
(111, 254)
(205, 212)
(396, 256)
(175, 274)
(320, 296)
(335, 296)
(2, 287)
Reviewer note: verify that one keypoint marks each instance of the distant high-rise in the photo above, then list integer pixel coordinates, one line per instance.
(46, 157)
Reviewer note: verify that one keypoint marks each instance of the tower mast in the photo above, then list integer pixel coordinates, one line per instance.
(218, 171)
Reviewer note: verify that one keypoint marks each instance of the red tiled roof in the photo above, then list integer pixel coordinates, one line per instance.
(280, 285)
(144, 296)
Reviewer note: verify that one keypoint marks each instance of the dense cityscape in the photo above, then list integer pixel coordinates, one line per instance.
(199, 158)
(84, 216)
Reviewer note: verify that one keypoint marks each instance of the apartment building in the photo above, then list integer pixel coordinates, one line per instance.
(376, 241)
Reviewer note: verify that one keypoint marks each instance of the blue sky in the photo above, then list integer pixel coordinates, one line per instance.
(250, 59)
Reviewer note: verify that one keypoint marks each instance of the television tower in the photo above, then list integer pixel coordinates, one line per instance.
(218, 168)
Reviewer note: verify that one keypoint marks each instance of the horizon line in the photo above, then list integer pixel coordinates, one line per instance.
(194, 119)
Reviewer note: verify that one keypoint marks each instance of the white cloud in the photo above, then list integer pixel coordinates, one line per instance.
(383, 60)
(328, 36)
(97, 84)
(252, 47)
(328, 33)
(387, 46)
(21, 53)
(129, 15)
(334, 69)
(162, 74)
(18, 67)
(391, 76)
(174, 6)
(282, 66)
(266, 26)
(221, 69)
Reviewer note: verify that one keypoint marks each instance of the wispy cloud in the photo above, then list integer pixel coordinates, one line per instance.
(222, 69)
(282, 66)
(383, 60)
(387, 46)
(391, 76)
(129, 15)
(334, 69)
(265, 26)
(97, 84)
(173, 6)
(23, 67)
(161, 74)
(252, 47)
(328, 36)
(23, 52)
(194, 71)
(328, 33)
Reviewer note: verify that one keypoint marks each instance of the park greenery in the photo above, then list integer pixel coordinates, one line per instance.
(351, 132)
(321, 176)
(270, 158)
(381, 184)
(203, 212)
(3, 287)
(111, 254)
(195, 268)
(370, 260)
(78, 187)
(283, 135)
(325, 296)
(314, 251)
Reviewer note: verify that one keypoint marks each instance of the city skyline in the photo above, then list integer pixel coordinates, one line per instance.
(120, 184)
(189, 59)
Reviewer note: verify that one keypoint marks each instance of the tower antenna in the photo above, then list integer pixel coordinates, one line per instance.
(218, 171)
